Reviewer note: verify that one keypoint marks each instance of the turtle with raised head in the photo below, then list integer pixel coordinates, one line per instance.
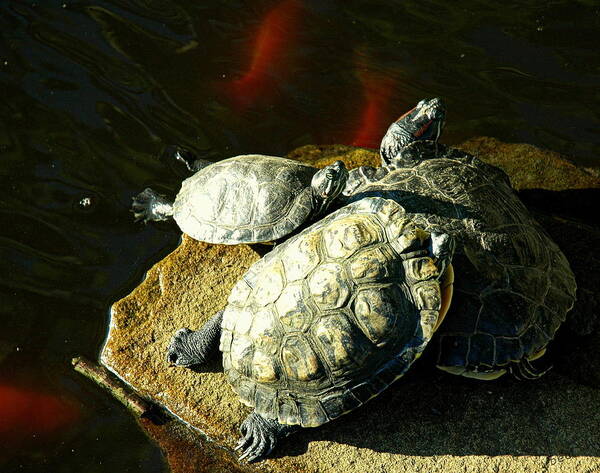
(327, 320)
(514, 286)
(246, 199)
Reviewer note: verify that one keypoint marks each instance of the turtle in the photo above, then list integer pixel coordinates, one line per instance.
(250, 198)
(514, 286)
(327, 320)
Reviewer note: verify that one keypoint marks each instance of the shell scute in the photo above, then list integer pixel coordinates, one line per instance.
(263, 331)
(288, 412)
(372, 263)
(408, 241)
(531, 282)
(533, 340)
(299, 360)
(263, 367)
(427, 295)
(339, 404)
(243, 321)
(268, 287)
(230, 212)
(420, 269)
(482, 350)
(508, 349)
(455, 349)
(303, 256)
(265, 398)
(376, 310)
(328, 286)
(271, 196)
(345, 236)
(428, 322)
(311, 414)
(506, 313)
(293, 312)
(225, 340)
(341, 344)
(241, 354)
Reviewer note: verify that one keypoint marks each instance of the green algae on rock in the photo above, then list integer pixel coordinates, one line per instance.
(427, 423)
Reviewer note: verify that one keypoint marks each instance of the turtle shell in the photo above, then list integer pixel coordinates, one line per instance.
(332, 316)
(245, 199)
(514, 286)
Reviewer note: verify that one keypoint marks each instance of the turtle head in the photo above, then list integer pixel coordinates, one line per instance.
(327, 184)
(424, 122)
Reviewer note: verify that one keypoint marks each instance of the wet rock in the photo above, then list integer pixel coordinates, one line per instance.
(427, 422)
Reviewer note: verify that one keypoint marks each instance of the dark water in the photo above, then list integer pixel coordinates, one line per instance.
(92, 92)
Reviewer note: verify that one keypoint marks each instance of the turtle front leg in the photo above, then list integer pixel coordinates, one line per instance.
(188, 347)
(148, 205)
(260, 436)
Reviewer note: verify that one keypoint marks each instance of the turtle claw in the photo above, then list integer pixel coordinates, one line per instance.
(258, 439)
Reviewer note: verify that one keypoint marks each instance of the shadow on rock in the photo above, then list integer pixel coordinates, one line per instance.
(429, 414)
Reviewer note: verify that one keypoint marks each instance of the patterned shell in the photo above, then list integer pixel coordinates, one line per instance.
(332, 316)
(245, 199)
(514, 286)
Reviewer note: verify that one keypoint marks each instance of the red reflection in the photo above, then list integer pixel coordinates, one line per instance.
(24, 413)
(375, 114)
(273, 39)
(378, 89)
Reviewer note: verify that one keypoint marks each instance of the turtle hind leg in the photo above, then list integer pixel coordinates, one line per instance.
(260, 436)
(148, 205)
(189, 348)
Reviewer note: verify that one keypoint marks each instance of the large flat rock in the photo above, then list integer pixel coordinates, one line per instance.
(427, 422)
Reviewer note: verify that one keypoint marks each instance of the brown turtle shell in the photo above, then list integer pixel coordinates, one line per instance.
(332, 316)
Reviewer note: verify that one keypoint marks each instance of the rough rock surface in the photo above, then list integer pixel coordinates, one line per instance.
(428, 421)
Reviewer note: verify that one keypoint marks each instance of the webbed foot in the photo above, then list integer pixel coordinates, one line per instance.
(188, 347)
(183, 349)
(148, 205)
(260, 436)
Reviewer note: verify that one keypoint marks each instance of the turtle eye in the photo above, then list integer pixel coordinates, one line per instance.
(329, 175)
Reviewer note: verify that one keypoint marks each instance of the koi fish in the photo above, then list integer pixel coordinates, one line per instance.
(375, 114)
(25, 412)
(273, 38)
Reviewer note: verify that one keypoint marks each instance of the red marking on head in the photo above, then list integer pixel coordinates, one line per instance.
(24, 413)
(423, 129)
(273, 38)
(405, 114)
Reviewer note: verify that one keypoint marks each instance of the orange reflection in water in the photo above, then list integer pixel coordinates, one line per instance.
(26, 413)
(378, 90)
(273, 39)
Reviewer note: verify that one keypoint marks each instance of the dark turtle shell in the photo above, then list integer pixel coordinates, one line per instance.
(513, 287)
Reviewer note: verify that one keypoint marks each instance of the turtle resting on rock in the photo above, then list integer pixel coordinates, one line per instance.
(514, 286)
(246, 199)
(327, 320)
